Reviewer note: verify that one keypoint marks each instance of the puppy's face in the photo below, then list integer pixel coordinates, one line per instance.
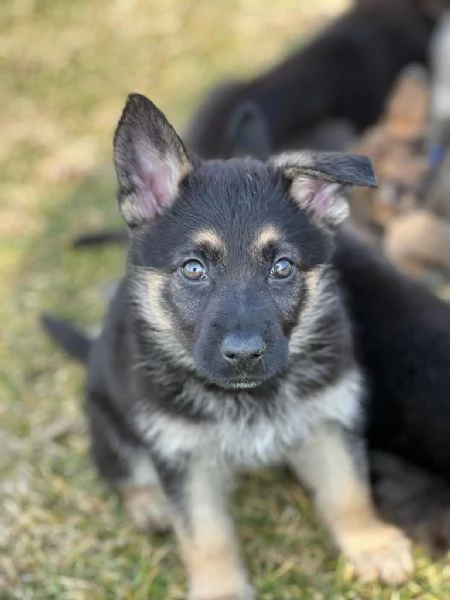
(225, 255)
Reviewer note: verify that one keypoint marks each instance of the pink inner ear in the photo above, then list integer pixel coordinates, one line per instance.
(320, 197)
(156, 180)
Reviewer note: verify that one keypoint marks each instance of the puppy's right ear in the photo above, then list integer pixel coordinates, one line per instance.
(150, 161)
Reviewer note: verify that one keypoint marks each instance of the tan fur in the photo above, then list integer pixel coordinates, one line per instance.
(210, 238)
(160, 318)
(291, 162)
(414, 233)
(390, 145)
(265, 236)
(148, 292)
(207, 540)
(313, 285)
(312, 280)
(330, 469)
(146, 506)
(417, 241)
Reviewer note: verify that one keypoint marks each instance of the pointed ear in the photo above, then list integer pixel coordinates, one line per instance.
(150, 161)
(321, 181)
(247, 133)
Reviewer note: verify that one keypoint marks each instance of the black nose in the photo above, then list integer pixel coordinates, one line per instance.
(243, 348)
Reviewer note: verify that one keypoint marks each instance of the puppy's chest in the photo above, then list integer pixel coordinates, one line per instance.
(253, 435)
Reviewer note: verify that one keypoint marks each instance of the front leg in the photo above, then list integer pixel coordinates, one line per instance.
(197, 492)
(333, 466)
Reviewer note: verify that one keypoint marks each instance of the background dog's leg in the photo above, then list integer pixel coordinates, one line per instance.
(206, 534)
(333, 466)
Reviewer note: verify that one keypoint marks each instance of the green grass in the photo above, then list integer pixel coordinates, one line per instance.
(66, 69)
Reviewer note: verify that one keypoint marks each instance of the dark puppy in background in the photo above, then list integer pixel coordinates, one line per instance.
(228, 346)
(402, 343)
(332, 88)
(320, 97)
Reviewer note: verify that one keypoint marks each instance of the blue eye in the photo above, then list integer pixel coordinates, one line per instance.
(281, 269)
(193, 270)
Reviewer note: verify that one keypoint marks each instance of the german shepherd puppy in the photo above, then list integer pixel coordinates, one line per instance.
(228, 346)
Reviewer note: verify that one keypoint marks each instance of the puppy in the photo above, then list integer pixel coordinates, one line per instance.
(228, 346)
(409, 213)
(343, 75)
(402, 344)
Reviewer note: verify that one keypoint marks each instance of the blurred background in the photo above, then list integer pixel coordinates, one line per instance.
(66, 68)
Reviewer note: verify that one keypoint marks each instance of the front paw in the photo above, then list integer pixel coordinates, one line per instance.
(378, 551)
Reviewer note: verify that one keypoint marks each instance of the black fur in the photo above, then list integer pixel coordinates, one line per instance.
(402, 335)
(74, 341)
(98, 238)
(227, 343)
(345, 73)
(414, 499)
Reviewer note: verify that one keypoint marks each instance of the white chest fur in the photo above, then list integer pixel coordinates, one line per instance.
(256, 439)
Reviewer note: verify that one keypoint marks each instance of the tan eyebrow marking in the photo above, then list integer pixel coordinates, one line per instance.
(210, 238)
(265, 236)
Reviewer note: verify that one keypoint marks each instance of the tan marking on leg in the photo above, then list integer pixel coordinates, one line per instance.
(267, 235)
(210, 238)
(326, 464)
(147, 506)
(208, 541)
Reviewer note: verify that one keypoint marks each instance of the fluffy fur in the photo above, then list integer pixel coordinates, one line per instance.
(228, 346)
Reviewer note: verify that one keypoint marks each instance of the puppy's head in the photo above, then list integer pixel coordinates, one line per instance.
(225, 255)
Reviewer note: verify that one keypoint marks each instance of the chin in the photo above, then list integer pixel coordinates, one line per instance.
(243, 385)
(238, 384)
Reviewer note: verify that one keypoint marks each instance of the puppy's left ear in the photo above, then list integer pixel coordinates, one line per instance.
(321, 181)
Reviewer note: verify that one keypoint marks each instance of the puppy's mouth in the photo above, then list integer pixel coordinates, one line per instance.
(243, 381)
(240, 384)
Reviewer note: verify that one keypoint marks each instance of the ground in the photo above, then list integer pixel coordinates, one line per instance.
(66, 69)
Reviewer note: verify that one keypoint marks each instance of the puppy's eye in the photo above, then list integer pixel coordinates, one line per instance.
(193, 270)
(281, 269)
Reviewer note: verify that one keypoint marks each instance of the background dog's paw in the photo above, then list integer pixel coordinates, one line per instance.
(379, 552)
(147, 508)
